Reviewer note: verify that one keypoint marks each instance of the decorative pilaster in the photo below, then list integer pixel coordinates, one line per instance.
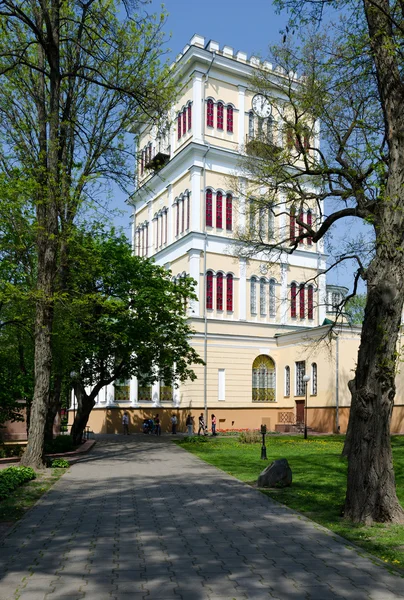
(170, 213)
(196, 198)
(243, 289)
(197, 107)
(194, 272)
(241, 116)
(133, 392)
(284, 307)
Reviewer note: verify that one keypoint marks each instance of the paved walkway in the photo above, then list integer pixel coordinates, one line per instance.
(141, 518)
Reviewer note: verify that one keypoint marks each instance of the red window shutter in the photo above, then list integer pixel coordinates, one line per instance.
(301, 301)
(209, 289)
(189, 116)
(293, 301)
(229, 212)
(230, 119)
(179, 126)
(301, 229)
(309, 223)
(184, 121)
(310, 302)
(220, 115)
(229, 290)
(292, 226)
(219, 291)
(209, 113)
(219, 209)
(209, 208)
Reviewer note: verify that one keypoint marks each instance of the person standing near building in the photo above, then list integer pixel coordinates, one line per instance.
(213, 425)
(125, 423)
(157, 425)
(173, 425)
(190, 424)
(201, 425)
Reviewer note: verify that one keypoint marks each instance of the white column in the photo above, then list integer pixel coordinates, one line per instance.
(170, 214)
(151, 232)
(110, 394)
(322, 292)
(241, 115)
(194, 272)
(195, 220)
(133, 392)
(156, 393)
(197, 108)
(176, 396)
(284, 304)
(243, 289)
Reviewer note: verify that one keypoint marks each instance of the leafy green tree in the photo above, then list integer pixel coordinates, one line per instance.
(352, 90)
(74, 76)
(355, 309)
(125, 317)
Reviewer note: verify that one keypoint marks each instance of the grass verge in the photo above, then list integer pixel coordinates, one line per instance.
(319, 482)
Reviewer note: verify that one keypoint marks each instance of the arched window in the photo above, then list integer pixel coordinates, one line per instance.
(229, 293)
(314, 379)
(220, 115)
(209, 113)
(270, 130)
(209, 290)
(253, 296)
(252, 218)
(177, 223)
(272, 301)
(142, 162)
(293, 293)
(263, 298)
(229, 212)
(209, 208)
(309, 223)
(184, 121)
(229, 119)
(310, 296)
(182, 215)
(251, 125)
(188, 210)
(179, 126)
(301, 229)
(287, 381)
(219, 291)
(301, 301)
(144, 390)
(292, 225)
(263, 379)
(261, 223)
(271, 224)
(219, 209)
(189, 116)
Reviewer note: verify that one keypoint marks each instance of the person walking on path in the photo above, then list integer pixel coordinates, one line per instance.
(213, 425)
(190, 424)
(201, 425)
(173, 425)
(125, 423)
(157, 425)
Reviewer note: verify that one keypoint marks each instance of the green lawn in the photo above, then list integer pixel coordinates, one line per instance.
(319, 480)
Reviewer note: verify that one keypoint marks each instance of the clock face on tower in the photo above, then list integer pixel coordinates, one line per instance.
(261, 106)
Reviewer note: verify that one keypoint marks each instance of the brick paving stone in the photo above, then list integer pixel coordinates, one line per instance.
(141, 519)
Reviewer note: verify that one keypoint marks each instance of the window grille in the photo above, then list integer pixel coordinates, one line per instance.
(209, 289)
(287, 381)
(253, 296)
(292, 226)
(219, 209)
(302, 310)
(220, 115)
(229, 212)
(209, 208)
(272, 301)
(263, 299)
(230, 119)
(301, 228)
(300, 373)
(263, 379)
(209, 113)
(179, 126)
(184, 121)
(314, 379)
(189, 116)
(219, 291)
(309, 223)
(293, 293)
(229, 293)
(310, 294)
(251, 125)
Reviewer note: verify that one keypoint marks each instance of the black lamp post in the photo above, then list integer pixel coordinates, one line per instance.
(306, 379)
(73, 375)
(263, 448)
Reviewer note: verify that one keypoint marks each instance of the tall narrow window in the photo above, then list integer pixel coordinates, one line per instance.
(209, 208)
(272, 301)
(309, 223)
(301, 301)
(156, 243)
(229, 212)
(310, 311)
(142, 162)
(189, 116)
(179, 126)
(229, 292)
(182, 215)
(260, 128)
(292, 225)
(300, 373)
(166, 225)
(147, 240)
(261, 223)
(253, 296)
(289, 137)
(251, 125)
(138, 242)
(184, 121)
(306, 141)
(219, 209)
(229, 119)
(209, 289)
(161, 219)
(270, 130)
(293, 293)
(219, 291)
(287, 381)
(220, 115)
(177, 225)
(301, 228)
(209, 113)
(263, 298)
(188, 210)
(314, 379)
(252, 218)
(271, 224)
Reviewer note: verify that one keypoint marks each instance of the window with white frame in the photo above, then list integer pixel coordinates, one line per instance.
(263, 297)
(300, 373)
(272, 300)
(314, 379)
(253, 295)
(287, 381)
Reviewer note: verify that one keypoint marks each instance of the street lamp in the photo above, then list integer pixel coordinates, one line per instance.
(306, 379)
(263, 447)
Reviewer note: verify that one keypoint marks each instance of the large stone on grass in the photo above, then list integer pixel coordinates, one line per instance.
(277, 474)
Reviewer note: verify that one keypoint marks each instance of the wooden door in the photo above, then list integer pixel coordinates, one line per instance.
(299, 411)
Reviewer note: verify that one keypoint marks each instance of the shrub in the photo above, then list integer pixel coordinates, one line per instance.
(12, 450)
(195, 439)
(60, 463)
(252, 436)
(61, 443)
(12, 477)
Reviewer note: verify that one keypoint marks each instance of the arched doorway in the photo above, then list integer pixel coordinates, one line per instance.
(263, 379)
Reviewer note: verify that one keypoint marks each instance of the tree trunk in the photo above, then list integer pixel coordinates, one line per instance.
(53, 407)
(85, 405)
(371, 492)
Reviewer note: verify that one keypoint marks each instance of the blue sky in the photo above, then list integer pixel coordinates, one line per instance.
(251, 27)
